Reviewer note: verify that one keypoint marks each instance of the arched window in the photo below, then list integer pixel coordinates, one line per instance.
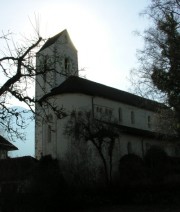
(149, 121)
(120, 114)
(129, 148)
(45, 71)
(132, 117)
(67, 65)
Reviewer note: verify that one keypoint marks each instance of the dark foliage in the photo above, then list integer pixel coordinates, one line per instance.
(49, 191)
(45, 186)
(166, 76)
(131, 168)
(157, 163)
(158, 75)
(46, 177)
(155, 157)
(14, 169)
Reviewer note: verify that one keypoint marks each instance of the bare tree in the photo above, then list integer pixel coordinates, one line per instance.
(17, 69)
(101, 132)
(19, 72)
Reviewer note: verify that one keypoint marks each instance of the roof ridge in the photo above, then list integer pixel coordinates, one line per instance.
(107, 86)
(75, 84)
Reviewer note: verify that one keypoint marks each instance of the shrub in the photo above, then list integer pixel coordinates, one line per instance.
(157, 162)
(155, 157)
(47, 177)
(131, 169)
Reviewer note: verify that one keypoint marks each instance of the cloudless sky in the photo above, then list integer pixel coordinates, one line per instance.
(101, 30)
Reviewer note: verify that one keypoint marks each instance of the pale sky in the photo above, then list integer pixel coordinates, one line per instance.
(101, 30)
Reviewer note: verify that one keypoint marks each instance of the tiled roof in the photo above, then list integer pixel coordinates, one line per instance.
(79, 85)
(6, 145)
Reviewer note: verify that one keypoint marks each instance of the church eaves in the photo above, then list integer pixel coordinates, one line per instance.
(79, 85)
(6, 145)
(147, 133)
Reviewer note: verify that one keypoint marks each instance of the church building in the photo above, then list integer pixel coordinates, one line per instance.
(60, 90)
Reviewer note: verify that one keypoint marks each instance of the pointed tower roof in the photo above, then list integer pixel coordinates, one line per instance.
(53, 39)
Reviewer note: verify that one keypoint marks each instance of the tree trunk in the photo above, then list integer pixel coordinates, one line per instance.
(103, 161)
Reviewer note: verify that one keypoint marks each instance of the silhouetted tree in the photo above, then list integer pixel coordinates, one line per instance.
(18, 72)
(101, 132)
(158, 75)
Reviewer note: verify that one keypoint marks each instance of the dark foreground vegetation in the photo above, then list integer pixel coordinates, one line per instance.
(155, 180)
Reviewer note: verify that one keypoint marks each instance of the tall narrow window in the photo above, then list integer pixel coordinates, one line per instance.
(54, 76)
(132, 117)
(49, 134)
(120, 114)
(149, 121)
(148, 146)
(129, 147)
(45, 71)
(44, 81)
(45, 64)
(66, 63)
(67, 66)
(44, 78)
(108, 111)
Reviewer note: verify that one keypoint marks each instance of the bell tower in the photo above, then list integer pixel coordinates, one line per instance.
(55, 62)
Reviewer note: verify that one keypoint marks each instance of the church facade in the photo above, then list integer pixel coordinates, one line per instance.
(60, 90)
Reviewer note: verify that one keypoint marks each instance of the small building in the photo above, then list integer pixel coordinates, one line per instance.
(5, 147)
